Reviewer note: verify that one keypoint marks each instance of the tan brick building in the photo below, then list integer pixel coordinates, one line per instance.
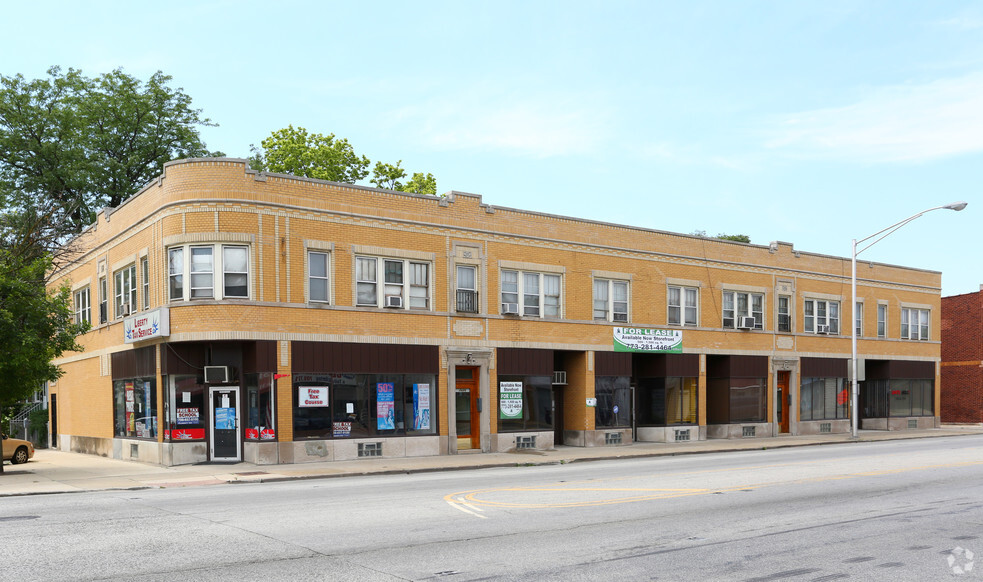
(239, 315)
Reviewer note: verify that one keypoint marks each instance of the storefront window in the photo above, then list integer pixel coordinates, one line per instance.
(666, 401)
(135, 408)
(363, 405)
(823, 399)
(536, 405)
(735, 400)
(613, 395)
(260, 417)
(898, 398)
(186, 414)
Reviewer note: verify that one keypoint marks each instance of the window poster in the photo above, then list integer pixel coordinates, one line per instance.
(421, 406)
(225, 418)
(130, 417)
(510, 399)
(385, 406)
(312, 396)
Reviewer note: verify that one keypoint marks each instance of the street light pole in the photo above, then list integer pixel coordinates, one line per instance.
(880, 235)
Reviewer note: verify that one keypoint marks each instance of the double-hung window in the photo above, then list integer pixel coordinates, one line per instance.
(858, 317)
(207, 272)
(681, 303)
(821, 316)
(784, 313)
(610, 300)
(318, 289)
(881, 320)
(103, 301)
(467, 289)
(739, 306)
(145, 280)
(82, 308)
(405, 283)
(539, 293)
(125, 287)
(914, 323)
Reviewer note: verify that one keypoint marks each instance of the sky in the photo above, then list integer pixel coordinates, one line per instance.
(808, 122)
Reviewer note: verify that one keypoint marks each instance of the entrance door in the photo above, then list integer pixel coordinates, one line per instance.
(224, 428)
(784, 399)
(466, 405)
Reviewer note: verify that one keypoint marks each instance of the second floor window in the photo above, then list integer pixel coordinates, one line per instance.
(881, 320)
(784, 313)
(145, 276)
(539, 293)
(681, 302)
(739, 306)
(192, 269)
(467, 289)
(858, 317)
(125, 287)
(317, 277)
(82, 308)
(914, 324)
(405, 284)
(103, 301)
(610, 300)
(821, 316)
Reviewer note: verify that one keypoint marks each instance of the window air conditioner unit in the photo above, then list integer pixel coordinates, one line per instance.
(620, 317)
(560, 378)
(745, 323)
(394, 301)
(510, 308)
(125, 309)
(217, 374)
(822, 329)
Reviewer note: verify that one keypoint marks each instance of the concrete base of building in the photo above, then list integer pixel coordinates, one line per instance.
(902, 423)
(671, 434)
(839, 426)
(740, 430)
(517, 441)
(351, 449)
(603, 437)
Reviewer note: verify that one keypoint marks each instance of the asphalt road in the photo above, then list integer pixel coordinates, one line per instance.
(896, 510)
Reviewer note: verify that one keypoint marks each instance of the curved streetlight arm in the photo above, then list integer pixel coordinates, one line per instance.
(883, 233)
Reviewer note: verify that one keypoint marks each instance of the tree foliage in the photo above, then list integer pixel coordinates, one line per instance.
(734, 237)
(297, 152)
(325, 157)
(77, 144)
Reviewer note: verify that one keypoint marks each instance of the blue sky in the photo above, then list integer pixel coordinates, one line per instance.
(810, 122)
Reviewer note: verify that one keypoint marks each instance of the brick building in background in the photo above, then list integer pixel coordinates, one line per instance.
(242, 315)
(962, 358)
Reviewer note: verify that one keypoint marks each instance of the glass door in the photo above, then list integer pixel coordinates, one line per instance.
(224, 427)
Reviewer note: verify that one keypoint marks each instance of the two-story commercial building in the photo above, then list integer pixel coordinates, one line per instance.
(239, 315)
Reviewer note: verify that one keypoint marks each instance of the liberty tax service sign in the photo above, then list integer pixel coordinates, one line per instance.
(638, 339)
(145, 326)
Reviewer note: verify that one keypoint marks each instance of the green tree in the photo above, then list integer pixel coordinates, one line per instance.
(312, 155)
(734, 237)
(421, 184)
(79, 144)
(388, 176)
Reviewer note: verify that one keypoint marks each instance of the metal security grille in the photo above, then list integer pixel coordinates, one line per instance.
(467, 301)
(525, 442)
(369, 449)
(682, 435)
(612, 438)
(748, 431)
(912, 423)
(825, 427)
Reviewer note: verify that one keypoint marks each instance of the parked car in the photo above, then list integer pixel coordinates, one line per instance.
(16, 450)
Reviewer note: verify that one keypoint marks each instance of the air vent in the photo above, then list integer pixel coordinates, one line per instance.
(681, 435)
(370, 449)
(612, 438)
(134, 450)
(825, 427)
(560, 378)
(747, 431)
(912, 423)
(525, 442)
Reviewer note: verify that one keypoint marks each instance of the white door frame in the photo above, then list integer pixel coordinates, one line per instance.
(211, 424)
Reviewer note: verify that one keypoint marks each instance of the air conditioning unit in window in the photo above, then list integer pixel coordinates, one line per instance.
(125, 309)
(620, 317)
(217, 374)
(510, 309)
(745, 323)
(394, 301)
(822, 329)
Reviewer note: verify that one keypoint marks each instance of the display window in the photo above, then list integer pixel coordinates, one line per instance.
(187, 414)
(525, 403)
(135, 408)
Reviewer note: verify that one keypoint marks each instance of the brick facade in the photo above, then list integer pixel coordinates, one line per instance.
(962, 358)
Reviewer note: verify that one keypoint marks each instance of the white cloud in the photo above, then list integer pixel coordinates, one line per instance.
(914, 122)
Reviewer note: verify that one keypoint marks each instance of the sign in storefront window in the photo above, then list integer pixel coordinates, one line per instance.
(312, 396)
(385, 406)
(421, 406)
(510, 399)
(637, 339)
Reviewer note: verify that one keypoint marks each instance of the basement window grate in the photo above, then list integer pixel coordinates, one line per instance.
(912, 423)
(525, 442)
(612, 438)
(369, 449)
(748, 431)
(682, 435)
(134, 450)
(825, 427)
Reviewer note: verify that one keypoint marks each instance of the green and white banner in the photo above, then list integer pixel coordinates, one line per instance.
(510, 399)
(639, 339)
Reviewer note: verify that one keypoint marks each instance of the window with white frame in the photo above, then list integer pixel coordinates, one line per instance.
(405, 283)
(610, 300)
(467, 289)
(914, 323)
(821, 316)
(103, 301)
(125, 291)
(740, 305)
(539, 293)
(145, 277)
(882, 320)
(318, 289)
(858, 317)
(784, 313)
(207, 272)
(681, 303)
(82, 308)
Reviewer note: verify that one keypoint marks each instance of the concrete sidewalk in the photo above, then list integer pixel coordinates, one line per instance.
(53, 471)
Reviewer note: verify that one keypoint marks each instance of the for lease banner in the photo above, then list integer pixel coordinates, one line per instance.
(510, 399)
(640, 339)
